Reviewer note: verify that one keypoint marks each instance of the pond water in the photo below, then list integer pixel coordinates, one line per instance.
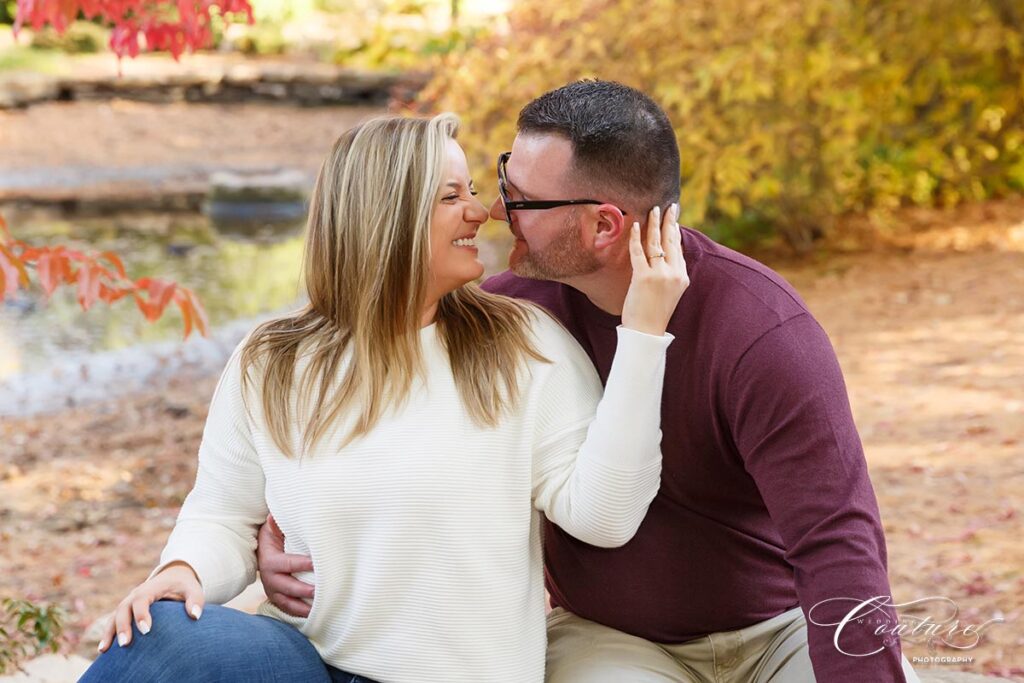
(237, 273)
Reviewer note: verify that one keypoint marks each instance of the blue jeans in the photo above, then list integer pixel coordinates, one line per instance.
(225, 645)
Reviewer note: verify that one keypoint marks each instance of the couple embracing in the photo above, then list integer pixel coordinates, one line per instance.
(645, 423)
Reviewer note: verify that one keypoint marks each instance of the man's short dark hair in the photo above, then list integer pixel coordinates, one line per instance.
(622, 141)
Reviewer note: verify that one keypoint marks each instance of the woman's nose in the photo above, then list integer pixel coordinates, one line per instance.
(477, 212)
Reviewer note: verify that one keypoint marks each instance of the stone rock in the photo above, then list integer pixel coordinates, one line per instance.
(286, 185)
(267, 197)
(95, 630)
(311, 84)
(50, 669)
(21, 89)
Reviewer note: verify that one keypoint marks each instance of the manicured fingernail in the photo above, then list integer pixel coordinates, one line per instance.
(122, 639)
(675, 209)
(636, 225)
(99, 648)
(144, 627)
(197, 611)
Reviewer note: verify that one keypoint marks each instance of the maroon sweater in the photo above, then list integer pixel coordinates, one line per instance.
(765, 501)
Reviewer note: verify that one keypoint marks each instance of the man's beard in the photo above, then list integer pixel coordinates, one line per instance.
(564, 257)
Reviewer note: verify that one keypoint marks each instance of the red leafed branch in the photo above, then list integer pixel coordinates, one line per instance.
(172, 25)
(97, 277)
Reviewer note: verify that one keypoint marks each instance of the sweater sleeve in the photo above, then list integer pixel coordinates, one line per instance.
(596, 474)
(789, 414)
(216, 529)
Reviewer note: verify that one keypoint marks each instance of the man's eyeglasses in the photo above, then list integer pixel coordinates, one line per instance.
(527, 205)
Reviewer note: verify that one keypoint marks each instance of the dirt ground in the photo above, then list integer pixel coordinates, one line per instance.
(128, 134)
(929, 328)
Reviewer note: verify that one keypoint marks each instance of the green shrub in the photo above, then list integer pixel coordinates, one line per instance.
(261, 39)
(26, 629)
(81, 37)
(8, 10)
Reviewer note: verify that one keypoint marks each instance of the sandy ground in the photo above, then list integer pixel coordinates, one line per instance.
(929, 330)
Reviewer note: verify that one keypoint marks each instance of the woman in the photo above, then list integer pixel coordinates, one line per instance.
(406, 430)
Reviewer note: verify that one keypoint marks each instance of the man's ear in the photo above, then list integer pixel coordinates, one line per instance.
(610, 226)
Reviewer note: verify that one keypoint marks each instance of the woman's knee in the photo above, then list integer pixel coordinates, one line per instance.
(168, 650)
(222, 634)
(224, 644)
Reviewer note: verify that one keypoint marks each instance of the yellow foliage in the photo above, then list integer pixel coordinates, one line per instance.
(787, 112)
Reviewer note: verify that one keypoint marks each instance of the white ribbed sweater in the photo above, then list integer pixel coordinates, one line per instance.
(425, 534)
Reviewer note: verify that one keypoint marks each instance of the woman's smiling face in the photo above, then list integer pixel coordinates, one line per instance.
(454, 224)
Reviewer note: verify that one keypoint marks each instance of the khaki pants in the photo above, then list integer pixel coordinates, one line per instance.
(581, 651)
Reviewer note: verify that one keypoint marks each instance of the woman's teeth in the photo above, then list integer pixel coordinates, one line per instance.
(465, 242)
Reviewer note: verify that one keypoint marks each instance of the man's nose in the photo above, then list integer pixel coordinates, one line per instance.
(498, 210)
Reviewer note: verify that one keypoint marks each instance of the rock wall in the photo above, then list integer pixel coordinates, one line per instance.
(307, 84)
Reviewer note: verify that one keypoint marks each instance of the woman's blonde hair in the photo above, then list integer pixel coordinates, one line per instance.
(366, 270)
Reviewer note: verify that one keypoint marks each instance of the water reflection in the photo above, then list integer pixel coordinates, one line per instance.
(233, 276)
(236, 274)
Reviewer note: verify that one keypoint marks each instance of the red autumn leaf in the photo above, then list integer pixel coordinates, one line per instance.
(115, 261)
(88, 285)
(147, 309)
(186, 313)
(159, 292)
(174, 25)
(13, 271)
(67, 272)
(124, 40)
(28, 253)
(1007, 514)
(978, 585)
(50, 271)
(100, 269)
(202, 323)
(162, 292)
(56, 265)
(111, 294)
(75, 255)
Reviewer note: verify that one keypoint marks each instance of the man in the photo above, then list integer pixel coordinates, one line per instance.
(766, 517)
